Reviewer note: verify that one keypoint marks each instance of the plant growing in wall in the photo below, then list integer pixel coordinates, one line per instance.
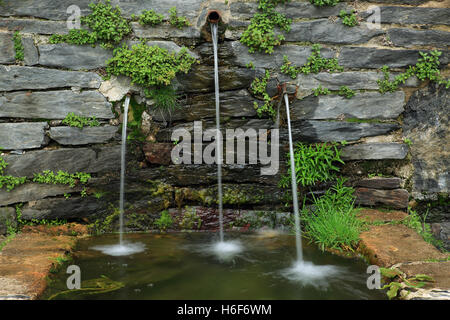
(321, 91)
(149, 17)
(152, 67)
(324, 3)
(346, 92)
(427, 67)
(175, 20)
(348, 18)
(72, 120)
(18, 46)
(106, 23)
(315, 64)
(260, 34)
(259, 88)
(313, 163)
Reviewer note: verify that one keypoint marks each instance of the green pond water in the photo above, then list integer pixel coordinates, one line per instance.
(182, 266)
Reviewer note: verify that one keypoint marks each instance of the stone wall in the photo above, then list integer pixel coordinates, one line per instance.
(56, 79)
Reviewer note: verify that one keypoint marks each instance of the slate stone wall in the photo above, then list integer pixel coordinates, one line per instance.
(56, 79)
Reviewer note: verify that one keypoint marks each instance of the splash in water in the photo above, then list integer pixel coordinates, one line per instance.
(309, 274)
(122, 249)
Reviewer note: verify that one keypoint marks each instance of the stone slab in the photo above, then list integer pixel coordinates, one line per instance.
(88, 160)
(33, 191)
(54, 104)
(73, 57)
(396, 198)
(368, 105)
(87, 135)
(375, 151)
(386, 245)
(13, 78)
(24, 135)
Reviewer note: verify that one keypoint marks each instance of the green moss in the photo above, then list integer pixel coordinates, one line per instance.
(105, 224)
(190, 220)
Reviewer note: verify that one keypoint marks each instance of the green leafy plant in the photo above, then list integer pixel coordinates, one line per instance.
(346, 92)
(400, 281)
(175, 20)
(260, 35)
(61, 177)
(3, 165)
(75, 36)
(323, 3)
(349, 19)
(164, 222)
(72, 120)
(149, 17)
(11, 182)
(259, 88)
(149, 65)
(331, 221)
(18, 46)
(427, 67)
(407, 141)
(315, 64)
(106, 23)
(313, 163)
(321, 91)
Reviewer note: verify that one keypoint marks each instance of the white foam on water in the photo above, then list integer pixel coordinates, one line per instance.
(124, 249)
(226, 250)
(306, 273)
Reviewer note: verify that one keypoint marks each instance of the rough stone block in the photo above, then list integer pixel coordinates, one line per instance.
(25, 135)
(54, 105)
(88, 135)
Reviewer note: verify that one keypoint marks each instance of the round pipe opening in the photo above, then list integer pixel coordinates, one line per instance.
(213, 16)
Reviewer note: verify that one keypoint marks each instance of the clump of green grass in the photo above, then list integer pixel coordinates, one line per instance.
(331, 222)
(18, 46)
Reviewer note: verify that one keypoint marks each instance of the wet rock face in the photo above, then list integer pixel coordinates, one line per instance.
(426, 124)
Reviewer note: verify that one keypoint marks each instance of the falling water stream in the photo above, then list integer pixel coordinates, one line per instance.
(123, 248)
(228, 248)
(218, 138)
(298, 235)
(122, 166)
